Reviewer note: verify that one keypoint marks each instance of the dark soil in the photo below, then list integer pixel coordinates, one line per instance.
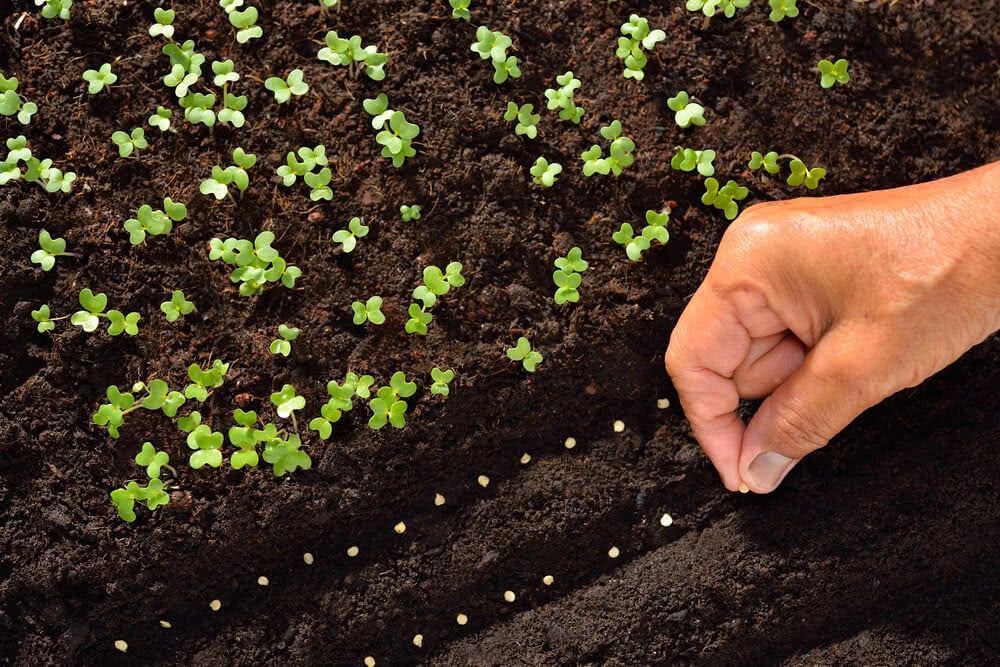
(882, 549)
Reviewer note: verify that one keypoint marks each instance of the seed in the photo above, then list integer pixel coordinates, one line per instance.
(663, 403)
(353, 551)
(619, 426)
(666, 520)
(483, 480)
(462, 619)
(744, 488)
(418, 641)
(570, 443)
(509, 596)
(307, 558)
(525, 458)
(165, 624)
(548, 580)
(215, 605)
(400, 528)
(438, 499)
(613, 552)
(121, 645)
(369, 661)
(263, 581)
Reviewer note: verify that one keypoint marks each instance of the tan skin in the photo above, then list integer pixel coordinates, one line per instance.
(826, 306)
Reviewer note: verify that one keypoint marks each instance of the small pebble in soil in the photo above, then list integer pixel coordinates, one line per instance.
(525, 458)
(483, 480)
(400, 528)
(263, 581)
(619, 426)
(663, 403)
(744, 488)
(438, 499)
(570, 442)
(461, 619)
(666, 520)
(509, 596)
(121, 645)
(369, 661)
(215, 605)
(548, 580)
(165, 624)
(614, 552)
(307, 558)
(418, 641)
(353, 551)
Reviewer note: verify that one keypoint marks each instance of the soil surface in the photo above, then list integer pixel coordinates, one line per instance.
(882, 549)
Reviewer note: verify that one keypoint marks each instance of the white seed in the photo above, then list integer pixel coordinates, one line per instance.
(121, 645)
(263, 581)
(509, 596)
(666, 520)
(369, 661)
(418, 641)
(215, 605)
(619, 426)
(165, 624)
(570, 443)
(614, 552)
(353, 551)
(744, 488)
(483, 480)
(462, 619)
(438, 499)
(307, 558)
(525, 458)
(663, 403)
(400, 528)
(548, 580)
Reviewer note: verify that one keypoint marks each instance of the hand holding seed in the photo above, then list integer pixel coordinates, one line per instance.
(826, 306)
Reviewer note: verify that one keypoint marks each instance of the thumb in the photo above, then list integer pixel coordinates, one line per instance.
(833, 385)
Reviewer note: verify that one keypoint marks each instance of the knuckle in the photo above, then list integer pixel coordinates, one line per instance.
(796, 432)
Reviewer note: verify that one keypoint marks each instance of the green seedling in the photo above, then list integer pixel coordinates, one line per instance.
(164, 26)
(397, 140)
(619, 154)
(800, 174)
(36, 171)
(49, 249)
(236, 175)
(420, 317)
(493, 45)
(43, 316)
(349, 53)
(224, 72)
(327, 4)
(230, 5)
(152, 494)
(160, 397)
(161, 119)
(567, 276)
(563, 98)
(712, 7)
(245, 437)
(545, 174)
(780, 9)
(527, 122)
(204, 381)
(833, 73)
(128, 143)
(245, 22)
(318, 181)
(11, 103)
(94, 306)
(687, 159)
(283, 89)
(460, 9)
(283, 345)
(388, 405)
(341, 401)
(522, 352)
(319, 184)
(177, 306)
(686, 112)
(199, 108)
(369, 311)
(636, 244)
(111, 415)
(441, 380)
(97, 79)
(52, 9)
(349, 237)
(207, 446)
(153, 460)
(154, 222)
(631, 48)
(286, 455)
(439, 282)
(286, 402)
(378, 108)
(258, 265)
(724, 198)
(181, 80)
(410, 212)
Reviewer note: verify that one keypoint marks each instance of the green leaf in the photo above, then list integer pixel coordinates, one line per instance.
(287, 402)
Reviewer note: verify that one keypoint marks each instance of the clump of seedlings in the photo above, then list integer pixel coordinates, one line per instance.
(259, 266)
(409, 212)
(49, 249)
(35, 170)
(686, 159)
(341, 401)
(655, 230)
(98, 79)
(562, 98)
(800, 174)
(154, 222)
(349, 53)
(522, 352)
(527, 121)
(493, 45)
(544, 173)
(305, 167)
(283, 344)
(93, 307)
(396, 139)
(154, 494)
(185, 67)
(283, 89)
(632, 47)
(281, 449)
(11, 104)
(436, 283)
(204, 380)
(177, 307)
(348, 238)
(712, 7)
(567, 276)
(724, 198)
(159, 397)
(781, 9)
(369, 311)
(686, 112)
(388, 405)
(128, 143)
(619, 153)
(235, 175)
(161, 119)
(164, 23)
(52, 9)
(460, 9)
(833, 73)
(441, 379)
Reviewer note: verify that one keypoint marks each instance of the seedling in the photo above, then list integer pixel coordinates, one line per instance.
(460, 9)
(341, 401)
(245, 437)
(177, 306)
(160, 397)
(204, 381)
(409, 212)
(97, 79)
(128, 143)
(800, 174)
(232, 111)
(161, 119)
(199, 108)
(318, 181)
(49, 249)
(724, 198)
(245, 23)
(493, 45)
(441, 379)
(687, 159)
(11, 103)
(349, 53)
(55, 8)
(349, 237)
(619, 154)
(154, 222)
(164, 26)
(369, 311)
(283, 345)
(636, 244)
(286, 402)
(111, 415)
(94, 306)
(567, 276)
(388, 406)
(258, 264)
(522, 352)
(527, 122)
(833, 73)
(420, 317)
(236, 175)
(545, 174)
(563, 98)
(207, 446)
(712, 7)
(686, 112)
(638, 37)
(124, 499)
(153, 460)
(44, 318)
(396, 141)
(781, 9)
(286, 455)
(283, 89)
(36, 171)
(439, 282)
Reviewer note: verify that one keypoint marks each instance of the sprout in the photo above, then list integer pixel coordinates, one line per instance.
(724, 198)
(55, 8)
(349, 53)
(287, 402)
(164, 23)
(563, 98)
(638, 37)
(567, 276)
(396, 141)
(349, 237)
(232, 111)
(287, 456)
(198, 108)
(833, 73)
(245, 23)
(370, 311)
(225, 73)
(418, 640)
(97, 79)
(783, 8)
(93, 305)
(177, 306)
(341, 401)
(420, 317)
(153, 460)
(522, 352)
(409, 212)
(160, 397)
(36, 171)
(263, 581)
(236, 175)
(283, 345)
(527, 122)
(111, 415)
(283, 89)
(713, 7)
(655, 230)
(245, 437)
(127, 143)
(310, 159)
(161, 119)
(545, 174)
(44, 318)
(620, 153)
(686, 113)
(800, 173)
(460, 9)
(441, 379)
(388, 405)
(49, 249)
(493, 45)
(11, 104)
(436, 283)
(154, 222)
(258, 264)
(125, 499)
(353, 551)
(687, 159)
(203, 381)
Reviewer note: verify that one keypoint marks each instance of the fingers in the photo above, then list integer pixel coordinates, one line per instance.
(769, 363)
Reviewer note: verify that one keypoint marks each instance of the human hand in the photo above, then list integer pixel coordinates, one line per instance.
(827, 306)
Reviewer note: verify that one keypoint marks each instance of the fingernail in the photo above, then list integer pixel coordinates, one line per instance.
(768, 469)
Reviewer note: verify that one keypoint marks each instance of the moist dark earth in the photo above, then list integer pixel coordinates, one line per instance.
(881, 549)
